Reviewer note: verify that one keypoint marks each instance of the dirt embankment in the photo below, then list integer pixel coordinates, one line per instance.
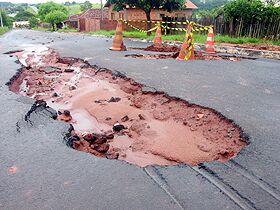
(113, 118)
(254, 46)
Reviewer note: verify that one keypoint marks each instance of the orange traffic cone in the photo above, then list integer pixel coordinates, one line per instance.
(187, 49)
(118, 39)
(158, 39)
(210, 42)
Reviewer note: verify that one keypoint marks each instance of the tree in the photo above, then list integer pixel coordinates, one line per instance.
(55, 17)
(52, 13)
(23, 15)
(6, 20)
(209, 4)
(85, 6)
(147, 6)
(250, 11)
(67, 3)
(247, 10)
(33, 22)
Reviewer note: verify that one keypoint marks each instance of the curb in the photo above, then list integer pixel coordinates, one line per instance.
(245, 51)
(227, 49)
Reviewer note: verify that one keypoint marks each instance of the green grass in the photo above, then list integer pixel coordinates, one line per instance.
(76, 9)
(3, 30)
(198, 38)
(67, 30)
(42, 29)
(244, 40)
(96, 6)
(29, 9)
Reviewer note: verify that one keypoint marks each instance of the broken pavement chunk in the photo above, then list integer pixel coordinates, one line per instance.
(64, 116)
(118, 127)
(125, 118)
(113, 156)
(69, 70)
(103, 148)
(141, 117)
(200, 116)
(114, 99)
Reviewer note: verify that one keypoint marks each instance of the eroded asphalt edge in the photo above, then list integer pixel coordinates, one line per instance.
(190, 195)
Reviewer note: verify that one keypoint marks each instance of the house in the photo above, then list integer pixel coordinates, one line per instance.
(156, 14)
(72, 21)
(88, 20)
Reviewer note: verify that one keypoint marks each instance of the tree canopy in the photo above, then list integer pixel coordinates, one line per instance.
(85, 6)
(50, 7)
(250, 10)
(23, 15)
(6, 19)
(52, 13)
(209, 4)
(33, 22)
(55, 17)
(147, 6)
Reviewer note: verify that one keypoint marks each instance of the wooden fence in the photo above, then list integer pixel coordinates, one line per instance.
(269, 29)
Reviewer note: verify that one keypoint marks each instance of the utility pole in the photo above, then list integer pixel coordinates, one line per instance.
(1, 19)
(101, 10)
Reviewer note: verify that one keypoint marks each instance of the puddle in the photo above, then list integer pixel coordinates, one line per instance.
(114, 118)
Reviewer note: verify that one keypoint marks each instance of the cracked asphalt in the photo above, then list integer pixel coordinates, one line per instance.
(51, 175)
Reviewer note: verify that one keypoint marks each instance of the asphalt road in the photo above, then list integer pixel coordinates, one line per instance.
(52, 176)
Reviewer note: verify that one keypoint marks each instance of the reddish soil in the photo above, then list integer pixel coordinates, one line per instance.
(198, 56)
(165, 48)
(254, 46)
(153, 128)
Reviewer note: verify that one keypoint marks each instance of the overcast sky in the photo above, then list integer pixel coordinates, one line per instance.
(41, 1)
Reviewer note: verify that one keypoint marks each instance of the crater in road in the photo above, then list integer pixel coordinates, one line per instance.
(115, 118)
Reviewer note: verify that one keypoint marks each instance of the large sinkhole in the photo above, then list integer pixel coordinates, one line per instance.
(115, 118)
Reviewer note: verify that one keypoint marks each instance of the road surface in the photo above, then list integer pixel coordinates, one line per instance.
(46, 174)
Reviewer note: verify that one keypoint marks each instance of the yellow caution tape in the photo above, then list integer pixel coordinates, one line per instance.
(191, 46)
(139, 29)
(194, 29)
(172, 22)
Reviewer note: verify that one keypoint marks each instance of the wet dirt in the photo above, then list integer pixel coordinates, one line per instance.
(164, 48)
(114, 118)
(254, 46)
(198, 56)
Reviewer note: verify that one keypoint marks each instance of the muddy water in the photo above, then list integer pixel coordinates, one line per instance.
(158, 129)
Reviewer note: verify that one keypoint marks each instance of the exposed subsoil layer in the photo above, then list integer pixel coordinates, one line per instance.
(198, 56)
(164, 48)
(113, 118)
(254, 46)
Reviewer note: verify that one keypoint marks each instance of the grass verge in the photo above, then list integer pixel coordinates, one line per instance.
(59, 30)
(198, 38)
(3, 30)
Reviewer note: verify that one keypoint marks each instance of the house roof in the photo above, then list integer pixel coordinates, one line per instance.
(94, 13)
(73, 17)
(188, 5)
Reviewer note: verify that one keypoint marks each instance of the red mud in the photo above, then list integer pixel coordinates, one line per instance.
(159, 129)
(254, 46)
(164, 48)
(198, 56)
